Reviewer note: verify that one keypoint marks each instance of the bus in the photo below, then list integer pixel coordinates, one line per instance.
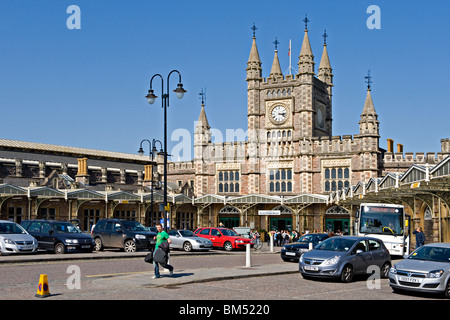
(386, 222)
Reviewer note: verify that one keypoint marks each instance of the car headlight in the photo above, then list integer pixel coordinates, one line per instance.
(331, 261)
(239, 241)
(301, 258)
(71, 240)
(283, 248)
(140, 236)
(435, 273)
(393, 270)
(9, 241)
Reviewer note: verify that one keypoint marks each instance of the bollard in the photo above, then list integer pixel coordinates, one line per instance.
(310, 246)
(271, 242)
(248, 262)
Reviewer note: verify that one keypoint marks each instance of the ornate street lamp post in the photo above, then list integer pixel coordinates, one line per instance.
(151, 97)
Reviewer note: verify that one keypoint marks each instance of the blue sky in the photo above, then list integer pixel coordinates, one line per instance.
(86, 88)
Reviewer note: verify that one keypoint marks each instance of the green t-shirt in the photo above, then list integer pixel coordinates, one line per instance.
(160, 238)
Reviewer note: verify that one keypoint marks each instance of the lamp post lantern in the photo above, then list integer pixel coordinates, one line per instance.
(151, 97)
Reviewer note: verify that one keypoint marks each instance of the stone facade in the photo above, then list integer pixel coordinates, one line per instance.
(290, 151)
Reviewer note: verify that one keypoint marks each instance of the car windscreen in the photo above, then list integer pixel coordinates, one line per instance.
(430, 253)
(314, 238)
(336, 244)
(228, 232)
(10, 228)
(65, 227)
(187, 233)
(133, 226)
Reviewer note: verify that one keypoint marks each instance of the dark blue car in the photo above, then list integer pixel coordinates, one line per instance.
(58, 236)
(292, 252)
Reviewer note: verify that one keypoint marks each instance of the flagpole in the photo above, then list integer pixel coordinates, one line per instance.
(290, 57)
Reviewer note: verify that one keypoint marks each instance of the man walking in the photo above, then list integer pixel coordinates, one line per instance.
(160, 238)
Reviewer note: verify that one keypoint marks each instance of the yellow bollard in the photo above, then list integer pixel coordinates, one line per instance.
(43, 290)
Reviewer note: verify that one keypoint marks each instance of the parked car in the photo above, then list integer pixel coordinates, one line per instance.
(124, 234)
(188, 241)
(223, 238)
(15, 239)
(426, 269)
(343, 257)
(292, 252)
(58, 236)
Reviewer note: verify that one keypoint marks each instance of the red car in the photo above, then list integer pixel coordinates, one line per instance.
(223, 238)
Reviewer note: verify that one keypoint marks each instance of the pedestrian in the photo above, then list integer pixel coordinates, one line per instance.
(420, 237)
(161, 238)
(221, 225)
(278, 238)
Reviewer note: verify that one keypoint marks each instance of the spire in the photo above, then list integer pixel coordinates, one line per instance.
(369, 108)
(254, 55)
(369, 124)
(325, 71)
(306, 58)
(202, 119)
(254, 70)
(276, 69)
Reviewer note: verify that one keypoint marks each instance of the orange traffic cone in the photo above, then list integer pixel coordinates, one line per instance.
(43, 290)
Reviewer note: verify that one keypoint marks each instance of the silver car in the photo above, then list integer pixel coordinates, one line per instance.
(343, 257)
(188, 241)
(426, 269)
(14, 239)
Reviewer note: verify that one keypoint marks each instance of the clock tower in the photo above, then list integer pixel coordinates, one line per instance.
(284, 109)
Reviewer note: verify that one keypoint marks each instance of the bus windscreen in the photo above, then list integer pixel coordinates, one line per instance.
(381, 220)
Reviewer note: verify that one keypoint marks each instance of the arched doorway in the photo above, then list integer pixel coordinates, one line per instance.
(283, 221)
(229, 216)
(337, 220)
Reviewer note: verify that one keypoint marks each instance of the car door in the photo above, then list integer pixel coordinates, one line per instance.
(216, 238)
(177, 241)
(376, 248)
(204, 233)
(363, 257)
(116, 236)
(47, 236)
(106, 234)
(34, 228)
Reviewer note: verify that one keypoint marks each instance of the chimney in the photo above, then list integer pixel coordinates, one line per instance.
(390, 145)
(399, 148)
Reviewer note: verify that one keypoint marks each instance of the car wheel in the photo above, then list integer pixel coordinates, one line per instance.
(98, 244)
(447, 290)
(130, 246)
(187, 246)
(384, 272)
(59, 248)
(347, 273)
(228, 246)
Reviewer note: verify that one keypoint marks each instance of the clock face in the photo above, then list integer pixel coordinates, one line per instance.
(279, 114)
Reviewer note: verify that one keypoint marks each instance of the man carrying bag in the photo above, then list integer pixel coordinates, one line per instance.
(161, 253)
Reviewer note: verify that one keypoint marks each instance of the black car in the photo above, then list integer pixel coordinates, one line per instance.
(292, 252)
(58, 236)
(124, 234)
